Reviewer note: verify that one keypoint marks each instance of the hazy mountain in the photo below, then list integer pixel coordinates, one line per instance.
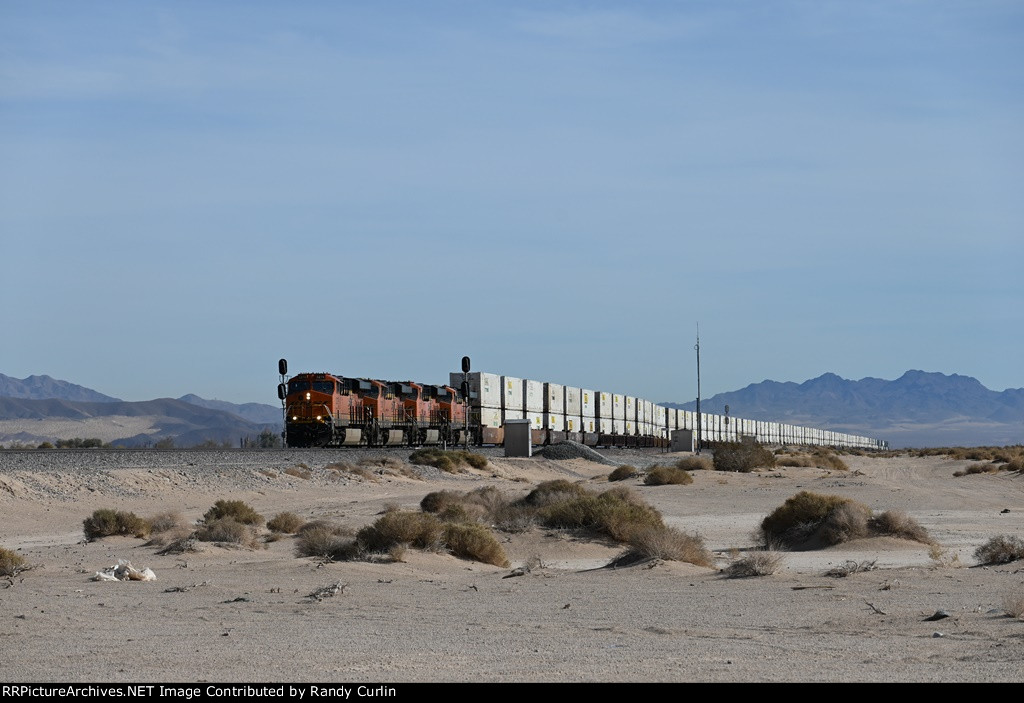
(917, 409)
(42, 387)
(124, 423)
(260, 413)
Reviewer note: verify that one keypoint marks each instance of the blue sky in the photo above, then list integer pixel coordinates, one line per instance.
(561, 190)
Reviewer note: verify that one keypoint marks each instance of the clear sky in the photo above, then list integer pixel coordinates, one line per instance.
(561, 190)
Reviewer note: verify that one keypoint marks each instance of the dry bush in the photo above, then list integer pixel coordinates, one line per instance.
(695, 463)
(382, 462)
(1002, 549)
(474, 542)
(300, 471)
(285, 523)
(238, 510)
(554, 491)
(421, 530)
(668, 544)
(325, 541)
(794, 460)
(361, 472)
(106, 522)
(228, 530)
(167, 521)
(515, 518)
(742, 456)
(1013, 604)
(623, 472)
(797, 522)
(450, 461)
(759, 563)
(846, 522)
(667, 475)
(898, 524)
(617, 513)
(11, 563)
(827, 459)
(437, 501)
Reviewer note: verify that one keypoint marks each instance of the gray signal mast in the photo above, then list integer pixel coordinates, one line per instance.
(697, 347)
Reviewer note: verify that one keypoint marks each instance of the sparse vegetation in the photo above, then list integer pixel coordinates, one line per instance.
(616, 513)
(623, 472)
(107, 523)
(11, 563)
(168, 527)
(326, 541)
(758, 563)
(285, 523)
(238, 510)
(810, 520)
(1013, 604)
(420, 530)
(228, 530)
(450, 461)
(667, 475)
(301, 471)
(1002, 549)
(695, 463)
(474, 542)
(668, 544)
(742, 456)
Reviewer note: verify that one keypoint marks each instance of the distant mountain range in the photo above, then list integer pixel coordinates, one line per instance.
(43, 409)
(919, 409)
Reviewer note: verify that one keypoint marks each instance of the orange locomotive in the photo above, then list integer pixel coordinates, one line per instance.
(327, 410)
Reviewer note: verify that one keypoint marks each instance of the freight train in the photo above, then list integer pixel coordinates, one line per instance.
(329, 410)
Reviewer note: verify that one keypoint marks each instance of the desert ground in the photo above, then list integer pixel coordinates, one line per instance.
(238, 614)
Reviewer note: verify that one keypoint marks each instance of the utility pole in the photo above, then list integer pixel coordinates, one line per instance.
(697, 347)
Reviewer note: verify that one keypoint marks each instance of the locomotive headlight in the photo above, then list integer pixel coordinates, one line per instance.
(319, 418)
(295, 418)
(307, 396)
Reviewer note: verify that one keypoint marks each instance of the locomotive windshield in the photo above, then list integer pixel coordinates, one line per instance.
(323, 387)
(298, 385)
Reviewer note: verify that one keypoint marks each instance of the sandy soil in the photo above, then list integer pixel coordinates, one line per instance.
(230, 614)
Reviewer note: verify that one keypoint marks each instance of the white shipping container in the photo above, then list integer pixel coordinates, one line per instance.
(604, 425)
(630, 404)
(588, 403)
(554, 398)
(589, 424)
(618, 426)
(512, 394)
(572, 402)
(554, 422)
(536, 420)
(490, 417)
(486, 386)
(534, 395)
(618, 406)
(604, 405)
(512, 415)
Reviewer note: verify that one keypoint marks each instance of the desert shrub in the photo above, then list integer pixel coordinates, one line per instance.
(326, 541)
(742, 456)
(623, 472)
(695, 463)
(616, 513)
(759, 563)
(845, 522)
(794, 460)
(1013, 604)
(554, 491)
(11, 563)
(238, 510)
(899, 524)
(667, 475)
(827, 459)
(437, 501)
(106, 522)
(474, 542)
(449, 461)
(285, 523)
(227, 530)
(166, 522)
(421, 530)
(798, 519)
(1000, 550)
(669, 544)
(514, 518)
(301, 471)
